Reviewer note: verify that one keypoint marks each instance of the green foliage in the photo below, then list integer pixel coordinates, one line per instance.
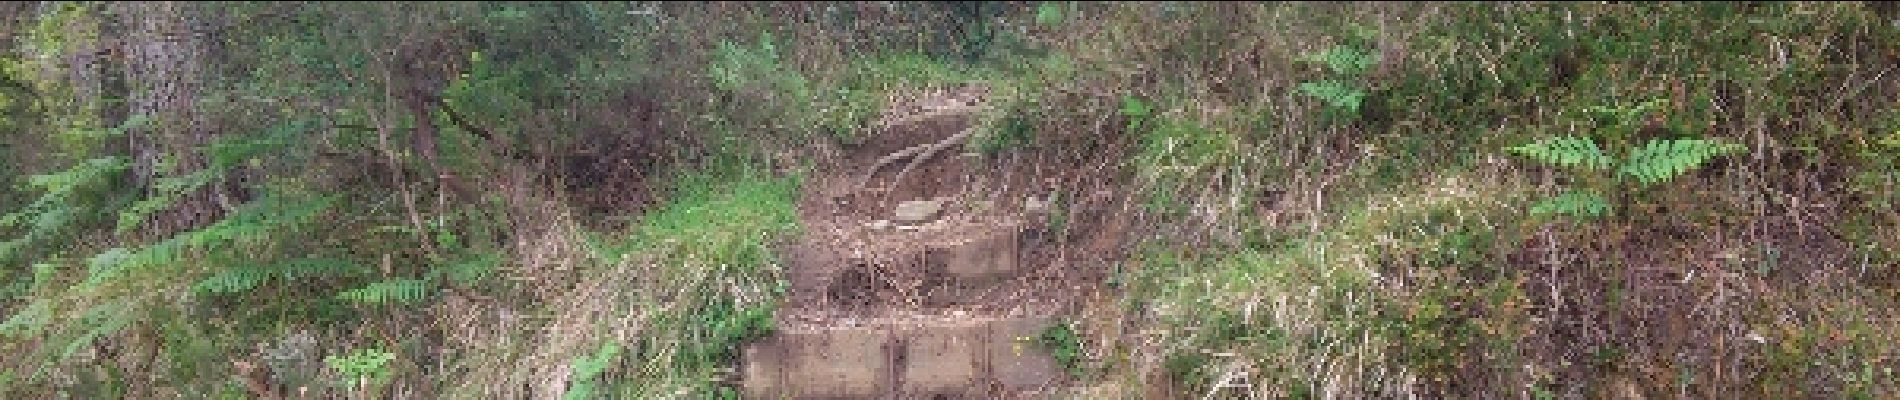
(362, 368)
(582, 382)
(1064, 345)
(166, 192)
(722, 218)
(243, 278)
(1174, 153)
(1566, 151)
(1342, 96)
(1622, 117)
(396, 290)
(1655, 162)
(1136, 111)
(1339, 95)
(67, 201)
(225, 155)
(1343, 60)
(1014, 131)
(860, 90)
(1049, 13)
(475, 268)
(737, 67)
(1577, 203)
(715, 236)
(249, 227)
(302, 104)
(1662, 159)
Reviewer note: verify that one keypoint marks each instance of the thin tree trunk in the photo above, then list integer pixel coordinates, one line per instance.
(165, 48)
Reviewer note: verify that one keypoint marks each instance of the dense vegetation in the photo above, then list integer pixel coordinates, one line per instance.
(508, 199)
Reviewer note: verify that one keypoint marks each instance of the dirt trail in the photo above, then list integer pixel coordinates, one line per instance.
(945, 307)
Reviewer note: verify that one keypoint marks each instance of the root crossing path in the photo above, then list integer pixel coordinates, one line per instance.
(916, 285)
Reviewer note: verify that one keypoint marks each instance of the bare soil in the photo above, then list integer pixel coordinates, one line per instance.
(942, 309)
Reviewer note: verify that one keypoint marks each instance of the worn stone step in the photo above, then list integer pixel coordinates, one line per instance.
(944, 270)
(974, 358)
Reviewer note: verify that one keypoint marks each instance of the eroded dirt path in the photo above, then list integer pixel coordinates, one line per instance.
(941, 303)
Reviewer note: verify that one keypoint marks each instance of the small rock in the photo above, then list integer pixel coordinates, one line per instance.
(1034, 204)
(916, 211)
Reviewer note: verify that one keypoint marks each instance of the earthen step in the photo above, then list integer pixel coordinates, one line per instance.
(949, 270)
(970, 358)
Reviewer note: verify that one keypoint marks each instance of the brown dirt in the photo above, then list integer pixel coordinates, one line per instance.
(851, 267)
(919, 310)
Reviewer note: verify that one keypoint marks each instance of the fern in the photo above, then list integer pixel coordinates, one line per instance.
(67, 198)
(587, 368)
(364, 366)
(246, 228)
(736, 66)
(1344, 60)
(100, 321)
(1575, 203)
(27, 321)
(1335, 93)
(224, 155)
(1567, 151)
(233, 280)
(1655, 162)
(472, 269)
(166, 192)
(244, 278)
(399, 290)
(1662, 159)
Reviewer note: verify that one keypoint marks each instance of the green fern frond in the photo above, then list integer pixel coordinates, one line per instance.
(296, 269)
(107, 265)
(66, 200)
(246, 228)
(89, 172)
(244, 278)
(1580, 204)
(588, 367)
(166, 192)
(1663, 159)
(371, 364)
(1628, 114)
(1344, 60)
(400, 290)
(99, 321)
(1335, 93)
(28, 321)
(233, 280)
(472, 269)
(1566, 151)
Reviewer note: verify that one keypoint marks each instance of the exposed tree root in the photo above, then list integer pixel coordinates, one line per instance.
(918, 155)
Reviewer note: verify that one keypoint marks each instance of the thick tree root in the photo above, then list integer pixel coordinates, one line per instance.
(918, 155)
